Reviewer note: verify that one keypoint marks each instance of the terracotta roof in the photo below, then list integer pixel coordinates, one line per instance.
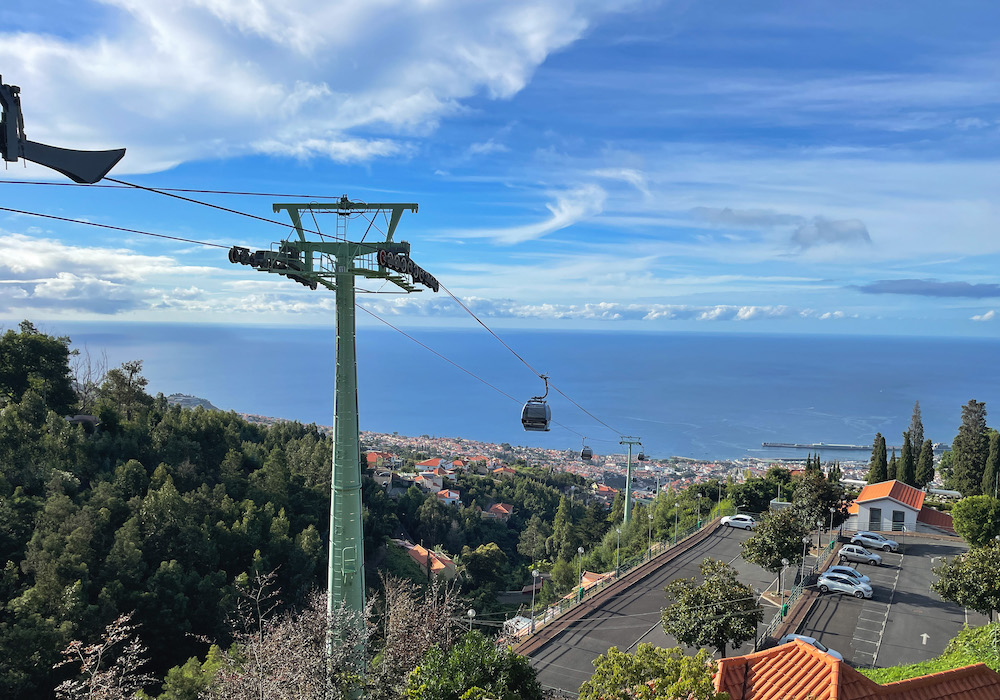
(432, 462)
(501, 508)
(896, 490)
(976, 682)
(932, 516)
(799, 670)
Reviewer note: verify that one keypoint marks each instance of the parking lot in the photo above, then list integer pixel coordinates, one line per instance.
(633, 617)
(905, 621)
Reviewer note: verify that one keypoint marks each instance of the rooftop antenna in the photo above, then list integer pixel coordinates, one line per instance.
(84, 167)
(334, 262)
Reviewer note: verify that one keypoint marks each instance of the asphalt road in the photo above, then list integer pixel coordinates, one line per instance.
(904, 622)
(625, 620)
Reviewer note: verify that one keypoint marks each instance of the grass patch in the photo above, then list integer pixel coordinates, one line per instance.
(972, 646)
(398, 563)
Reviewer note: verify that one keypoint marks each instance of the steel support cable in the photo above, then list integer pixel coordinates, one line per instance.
(154, 190)
(452, 362)
(526, 364)
(113, 228)
(170, 189)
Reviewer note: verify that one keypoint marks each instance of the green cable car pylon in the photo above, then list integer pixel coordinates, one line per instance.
(334, 262)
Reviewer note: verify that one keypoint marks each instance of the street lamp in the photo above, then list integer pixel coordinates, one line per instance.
(784, 565)
(720, 499)
(649, 545)
(819, 531)
(534, 584)
(802, 569)
(617, 550)
(699, 510)
(471, 614)
(832, 511)
(677, 509)
(579, 594)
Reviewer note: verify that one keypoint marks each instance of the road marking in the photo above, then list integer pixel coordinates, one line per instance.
(892, 594)
(925, 637)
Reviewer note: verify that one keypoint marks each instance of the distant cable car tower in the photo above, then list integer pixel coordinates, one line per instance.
(629, 440)
(334, 262)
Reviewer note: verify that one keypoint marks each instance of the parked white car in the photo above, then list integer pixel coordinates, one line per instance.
(741, 521)
(841, 583)
(849, 571)
(875, 541)
(855, 552)
(814, 642)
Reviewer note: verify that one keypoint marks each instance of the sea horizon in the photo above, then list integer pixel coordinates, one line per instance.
(696, 395)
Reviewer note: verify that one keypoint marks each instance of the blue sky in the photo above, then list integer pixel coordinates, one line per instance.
(786, 167)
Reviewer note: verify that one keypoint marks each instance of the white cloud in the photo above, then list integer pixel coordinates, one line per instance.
(630, 175)
(196, 79)
(487, 147)
(988, 316)
(569, 207)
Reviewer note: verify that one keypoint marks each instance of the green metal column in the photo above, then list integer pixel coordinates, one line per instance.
(628, 486)
(346, 582)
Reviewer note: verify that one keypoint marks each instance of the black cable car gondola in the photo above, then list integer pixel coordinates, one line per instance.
(641, 457)
(536, 414)
(586, 454)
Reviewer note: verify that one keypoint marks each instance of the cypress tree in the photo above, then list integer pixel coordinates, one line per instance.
(970, 449)
(925, 464)
(835, 474)
(907, 464)
(877, 466)
(992, 466)
(891, 470)
(916, 428)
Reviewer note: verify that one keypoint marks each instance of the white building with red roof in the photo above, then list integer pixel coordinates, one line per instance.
(892, 506)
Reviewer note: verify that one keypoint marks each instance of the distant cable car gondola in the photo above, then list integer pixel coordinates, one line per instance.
(641, 457)
(586, 454)
(536, 414)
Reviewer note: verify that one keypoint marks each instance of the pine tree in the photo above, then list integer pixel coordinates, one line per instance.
(891, 470)
(916, 427)
(877, 466)
(925, 464)
(835, 474)
(907, 463)
(992, 466)
(971, 448)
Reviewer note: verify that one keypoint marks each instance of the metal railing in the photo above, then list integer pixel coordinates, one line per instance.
(556, 610)
(795, 594)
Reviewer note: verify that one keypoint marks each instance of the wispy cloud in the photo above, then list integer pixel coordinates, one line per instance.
(988, 316)
(569, 207)
(930, 288)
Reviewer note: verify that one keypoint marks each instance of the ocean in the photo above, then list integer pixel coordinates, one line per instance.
(705, 396)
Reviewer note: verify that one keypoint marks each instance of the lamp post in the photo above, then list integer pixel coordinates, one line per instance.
(677, 509)
(719, 506)
(699, 511)
(802, 569)
(470, 614)
(534, 584)
(617, 550)
(819, 532)
(832, 511)
(784, 565)
(649, 545)
(579, 594)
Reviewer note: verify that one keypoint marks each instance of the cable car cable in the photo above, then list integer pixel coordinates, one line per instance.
(113, 228)
(169, 189)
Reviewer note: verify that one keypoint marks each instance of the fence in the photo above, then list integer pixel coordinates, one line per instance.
(796, 593)
(556, 610)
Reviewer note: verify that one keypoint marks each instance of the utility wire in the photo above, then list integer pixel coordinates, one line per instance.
(113, 228)
(169, 189)
(165, 193)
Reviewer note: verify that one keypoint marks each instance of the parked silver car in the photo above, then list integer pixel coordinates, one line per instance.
(741, 521)
(849, 571)
(855, 552)
(813, 642)
(841, 583)
(875, 541)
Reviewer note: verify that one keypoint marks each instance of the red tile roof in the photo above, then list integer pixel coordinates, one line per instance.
(936, 518)
(432, 462)
(896, 490)
(798, 670)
